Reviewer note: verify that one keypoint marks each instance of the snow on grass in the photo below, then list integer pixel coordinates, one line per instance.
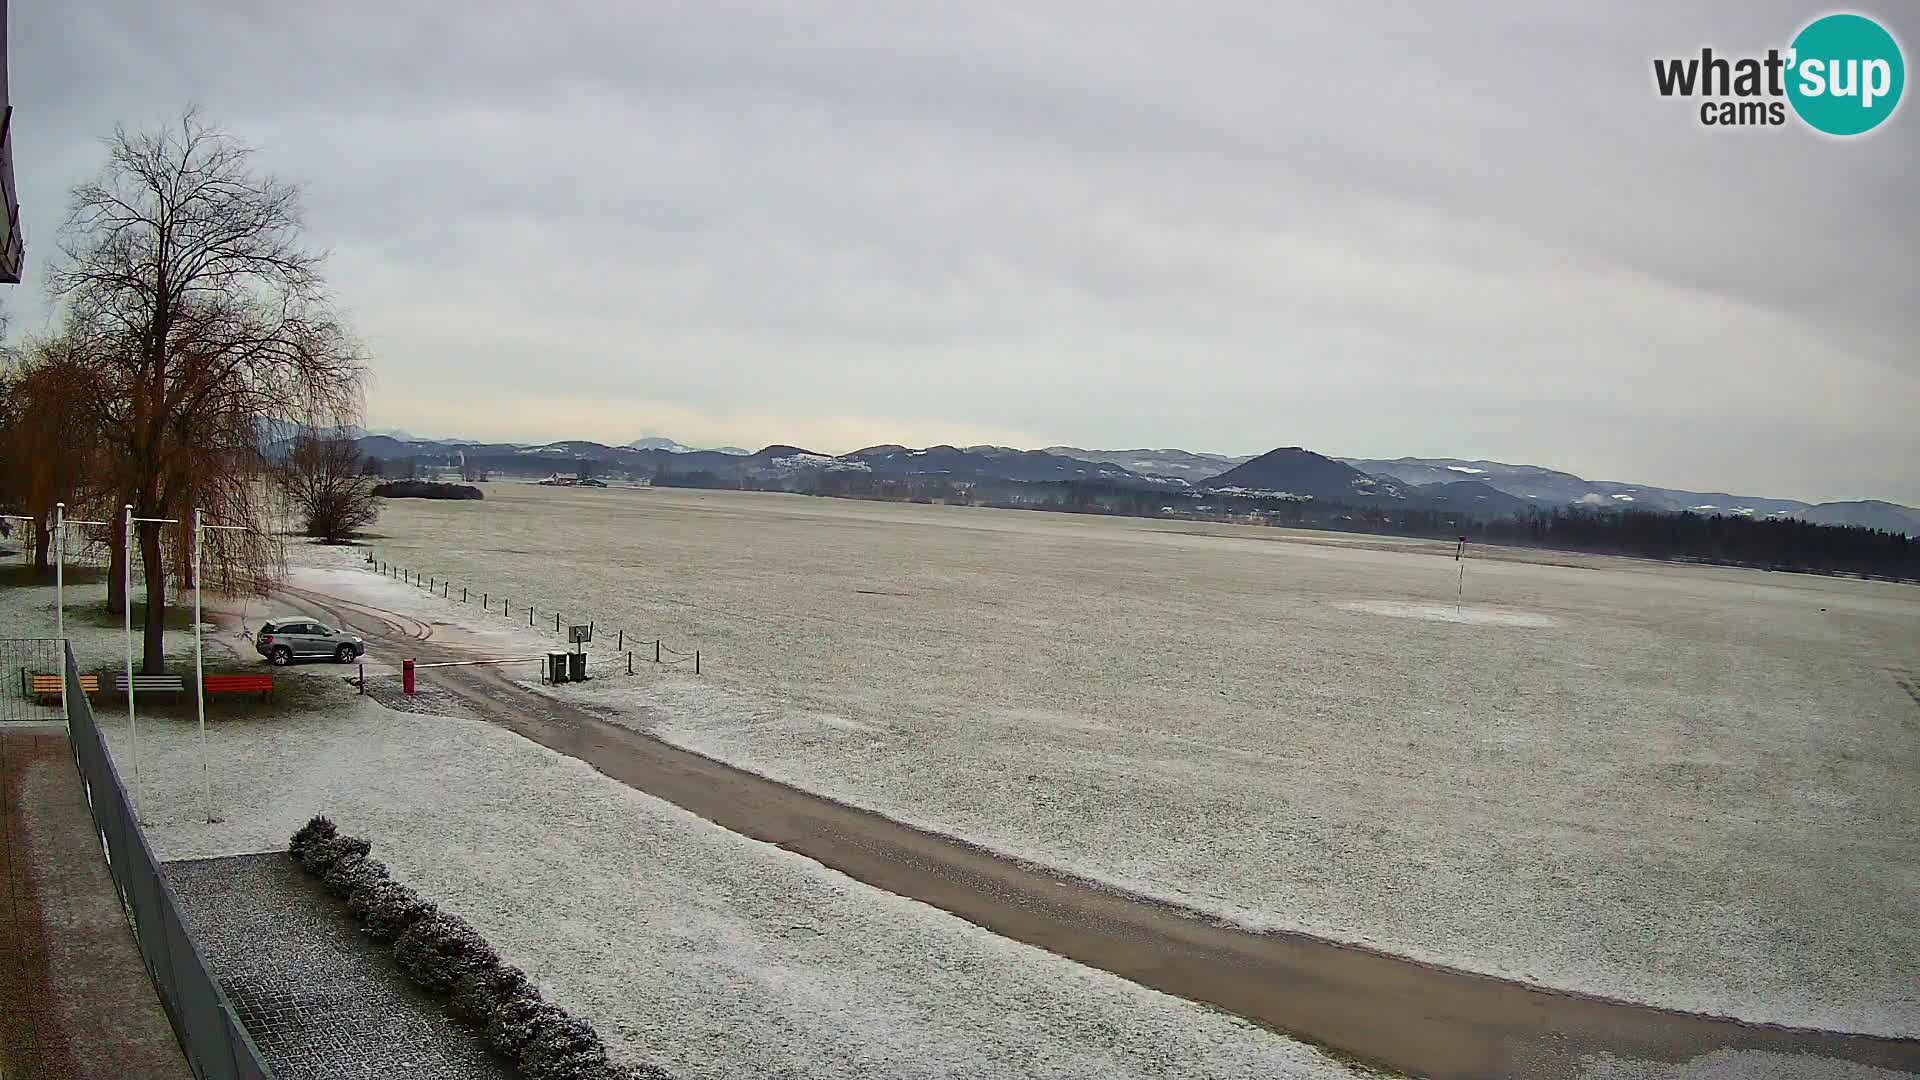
(1693, 789)
(98, 636)
(1477, 616)
(684, 944)
(342, 572)
(1734, 1065)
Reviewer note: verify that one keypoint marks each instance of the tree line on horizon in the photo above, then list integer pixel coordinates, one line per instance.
(1771, 543)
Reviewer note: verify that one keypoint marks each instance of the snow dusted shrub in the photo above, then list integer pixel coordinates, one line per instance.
(317, 827)
(322, 854)
(352, 871)
(513, 1020)
(478, 992)
(361, 900)
(563, 1047)
(440, 948)
(388, 909)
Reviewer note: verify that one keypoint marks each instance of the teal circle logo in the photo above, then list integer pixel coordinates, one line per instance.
(1845, 74)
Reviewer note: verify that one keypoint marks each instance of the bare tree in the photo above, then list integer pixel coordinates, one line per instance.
(202, 313)
(323, 480)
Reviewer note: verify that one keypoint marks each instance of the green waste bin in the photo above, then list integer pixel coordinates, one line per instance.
(556, 667)
(577, 666)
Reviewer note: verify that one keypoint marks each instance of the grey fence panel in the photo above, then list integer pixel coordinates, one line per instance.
(216, 1044)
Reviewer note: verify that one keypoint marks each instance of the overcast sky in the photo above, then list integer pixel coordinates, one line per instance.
(1377, 230)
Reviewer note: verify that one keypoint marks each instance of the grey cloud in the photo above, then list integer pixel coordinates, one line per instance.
(1374, 229)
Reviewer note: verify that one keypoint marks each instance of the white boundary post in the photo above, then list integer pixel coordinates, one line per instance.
(199, 667)
(133, 726)
(126, 624)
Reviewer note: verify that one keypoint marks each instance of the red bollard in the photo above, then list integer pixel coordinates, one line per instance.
(406, 677)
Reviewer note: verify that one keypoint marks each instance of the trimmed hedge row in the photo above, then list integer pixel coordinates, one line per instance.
(446, 956)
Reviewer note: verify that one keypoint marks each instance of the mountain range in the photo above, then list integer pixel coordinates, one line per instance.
(1477, 488)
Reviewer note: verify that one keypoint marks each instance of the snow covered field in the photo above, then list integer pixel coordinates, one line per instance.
(1686, 786)
(684, 944)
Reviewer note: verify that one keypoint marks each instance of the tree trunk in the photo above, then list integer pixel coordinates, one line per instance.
(153, 655)
(117, 568)
(43, 548)
(183, 551)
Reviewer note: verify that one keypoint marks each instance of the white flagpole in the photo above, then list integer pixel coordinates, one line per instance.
(199, 669)
(126, 612)
(59, 579)
(199, 685)
(60, 599)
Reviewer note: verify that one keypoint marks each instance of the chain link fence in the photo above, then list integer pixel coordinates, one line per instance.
(22, 697)
(216, 1044)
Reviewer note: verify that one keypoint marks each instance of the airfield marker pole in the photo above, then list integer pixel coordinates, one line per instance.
(556, 622)
(463, 594)
(656, 650)
(529, 616)
(696, 661)
(621, 644)
(629, 663)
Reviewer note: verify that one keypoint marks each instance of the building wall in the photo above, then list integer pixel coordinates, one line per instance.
(12, 249)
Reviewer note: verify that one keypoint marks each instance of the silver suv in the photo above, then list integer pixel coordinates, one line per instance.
(285, 641)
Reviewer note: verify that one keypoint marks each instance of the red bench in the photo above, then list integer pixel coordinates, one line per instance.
(238, 684)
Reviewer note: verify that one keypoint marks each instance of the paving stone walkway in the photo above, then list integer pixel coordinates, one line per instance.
(321, 1000)
(75, 998)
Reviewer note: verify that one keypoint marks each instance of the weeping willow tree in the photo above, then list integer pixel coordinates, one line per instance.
(48, 450)
(202, 316)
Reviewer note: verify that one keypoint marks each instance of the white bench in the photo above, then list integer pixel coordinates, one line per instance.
(151, 684)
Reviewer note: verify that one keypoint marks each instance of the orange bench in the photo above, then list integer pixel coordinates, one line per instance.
(238, 684)
(47, 687)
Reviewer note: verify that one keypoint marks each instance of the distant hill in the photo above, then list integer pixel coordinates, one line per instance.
(1475, 497)
(1871, 513)
(1480, 487)
(974, 463)
(661, 442)
(1293, 470)
(1172, 464)
(1555, 488)
(1549, 487)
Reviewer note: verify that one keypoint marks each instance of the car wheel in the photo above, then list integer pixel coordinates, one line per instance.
(281, 656)
(344, 654)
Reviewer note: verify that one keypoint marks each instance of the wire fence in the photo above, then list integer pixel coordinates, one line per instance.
(216, 1043)
(628, 646)
(30, 679)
